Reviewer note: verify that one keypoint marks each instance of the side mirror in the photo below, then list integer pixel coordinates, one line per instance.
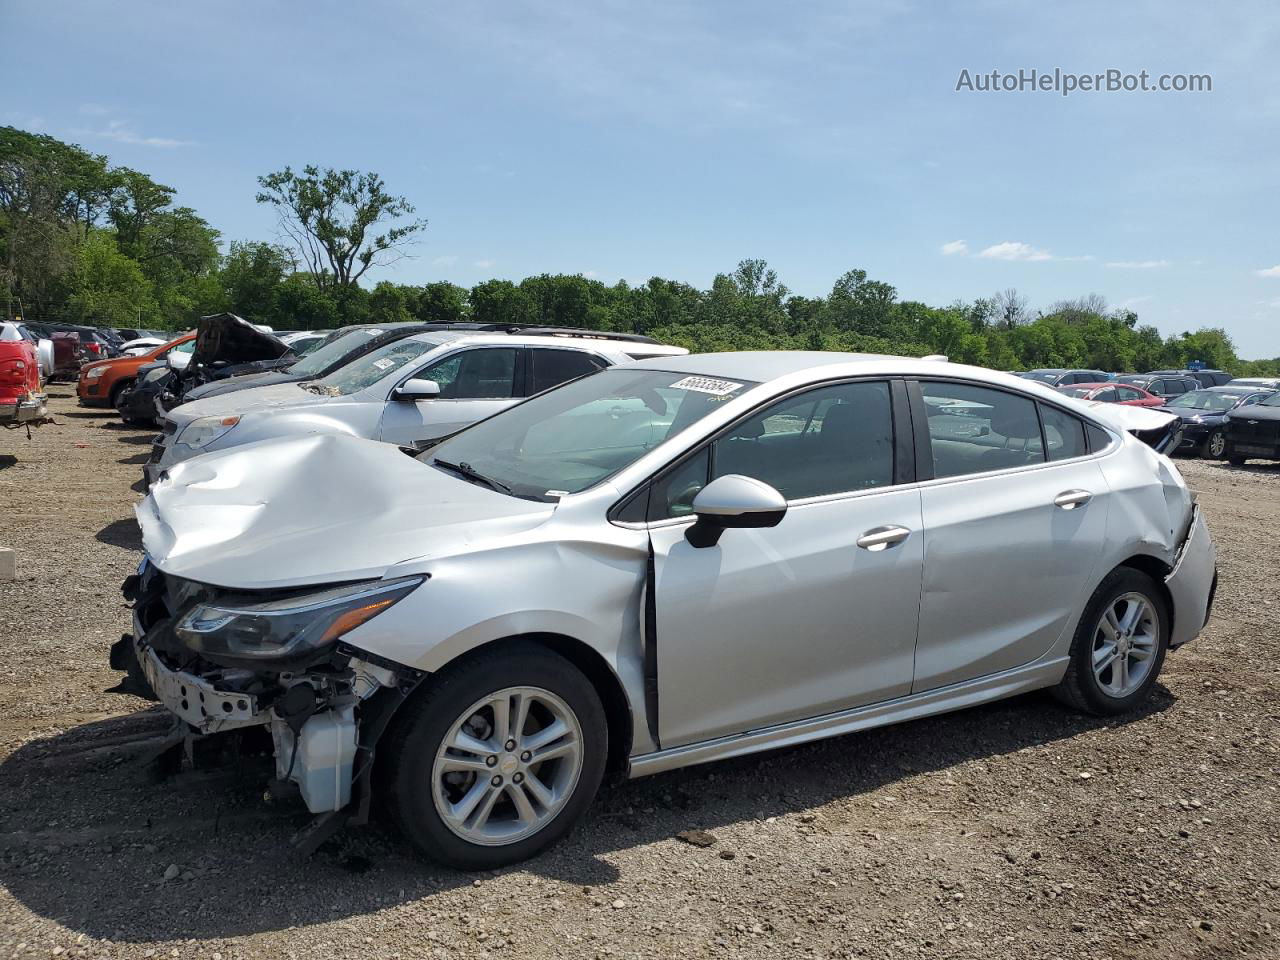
(415, 389)
(734, 501)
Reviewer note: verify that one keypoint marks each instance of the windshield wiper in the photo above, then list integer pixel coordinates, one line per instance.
(465, 469)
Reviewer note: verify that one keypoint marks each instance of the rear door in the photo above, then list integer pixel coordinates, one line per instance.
(475, 382)
(549, 367)
(1012, 535)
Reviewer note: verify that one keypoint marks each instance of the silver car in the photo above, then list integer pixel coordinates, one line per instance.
(406, 392)
(663, 564)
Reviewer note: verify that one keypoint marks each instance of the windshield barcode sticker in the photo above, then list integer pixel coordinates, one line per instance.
(717, 388)
(383, 362)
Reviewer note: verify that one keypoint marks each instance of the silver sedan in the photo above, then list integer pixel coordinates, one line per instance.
(665, 563)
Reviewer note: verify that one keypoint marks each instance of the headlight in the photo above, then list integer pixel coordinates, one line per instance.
(202, 432)
(95, 372)
(156, 374)
(286, 629)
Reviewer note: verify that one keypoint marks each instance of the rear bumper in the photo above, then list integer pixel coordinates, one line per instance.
(32, 407)
(1264, 448)
(1193, 582)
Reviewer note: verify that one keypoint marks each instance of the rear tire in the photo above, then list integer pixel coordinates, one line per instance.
(1236, 461)
(1114, 663)
(535, 803)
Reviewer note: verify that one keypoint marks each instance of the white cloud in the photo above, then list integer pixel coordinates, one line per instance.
(590, 274)
(1269, 271)
(484, 264)
(122, 132)
(954, 247)
(446, 261)
(1138, 264)
(1010, 250)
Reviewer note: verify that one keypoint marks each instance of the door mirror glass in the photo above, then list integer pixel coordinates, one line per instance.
(734, 501)
(416, 389)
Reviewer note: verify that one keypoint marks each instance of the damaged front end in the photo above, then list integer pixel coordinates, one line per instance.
(223, 660)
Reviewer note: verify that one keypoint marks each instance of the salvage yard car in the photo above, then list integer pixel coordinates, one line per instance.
(408, 391)
(1253, 432)
(1204, 416)
(104, 382)
(661, 564)
(22, 396)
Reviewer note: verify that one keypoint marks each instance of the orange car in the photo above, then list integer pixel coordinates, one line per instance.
(103, 381)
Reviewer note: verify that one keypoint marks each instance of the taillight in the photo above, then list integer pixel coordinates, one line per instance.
(13, 373)
(93, 347)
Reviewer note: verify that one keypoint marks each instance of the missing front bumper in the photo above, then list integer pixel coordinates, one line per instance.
(1193, 582)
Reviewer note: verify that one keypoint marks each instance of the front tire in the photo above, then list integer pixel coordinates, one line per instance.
(1236, 461)
(1119, 645)
(496, 758)
(1215, 445)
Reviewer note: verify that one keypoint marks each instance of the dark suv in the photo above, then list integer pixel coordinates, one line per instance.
(1162, 385)
(1059, 377)
(1253, 432)
(1206, 378)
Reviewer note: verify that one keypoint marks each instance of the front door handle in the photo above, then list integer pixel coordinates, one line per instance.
(882, 538)
(1070, 499)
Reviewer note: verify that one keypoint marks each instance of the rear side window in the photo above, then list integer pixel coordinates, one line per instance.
(1064, 435)
(1127, 394)
(550, 368)
(1107, 395)
(976, 429)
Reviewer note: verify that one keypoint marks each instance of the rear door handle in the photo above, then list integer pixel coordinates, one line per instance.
(882, 538)
(1070, 499)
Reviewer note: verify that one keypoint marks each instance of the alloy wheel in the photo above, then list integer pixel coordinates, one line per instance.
(1217, 444)
(1124, 644)
(507, 766)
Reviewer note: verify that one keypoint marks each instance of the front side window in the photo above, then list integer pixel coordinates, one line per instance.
(836, 439)
(975, 429)
(550, 368)
(485, 373)
(571, 438)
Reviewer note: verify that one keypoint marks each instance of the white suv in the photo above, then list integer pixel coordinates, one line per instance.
(408, 392)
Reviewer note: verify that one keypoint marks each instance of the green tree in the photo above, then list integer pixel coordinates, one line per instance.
(340, 223)
(109, 288)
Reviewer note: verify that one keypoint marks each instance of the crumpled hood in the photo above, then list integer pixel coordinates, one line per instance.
(224, 336)
(254, 400)
(316, 509)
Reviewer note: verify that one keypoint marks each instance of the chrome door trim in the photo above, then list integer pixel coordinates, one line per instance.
(1032, 676)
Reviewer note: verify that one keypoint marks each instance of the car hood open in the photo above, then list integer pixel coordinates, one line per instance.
(226, 337)
(316, 509)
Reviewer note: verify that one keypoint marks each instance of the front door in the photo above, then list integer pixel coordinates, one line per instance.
(798, 620)
(474, 383)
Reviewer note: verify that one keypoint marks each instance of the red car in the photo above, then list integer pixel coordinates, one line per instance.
(21, 396)
(1121, 393)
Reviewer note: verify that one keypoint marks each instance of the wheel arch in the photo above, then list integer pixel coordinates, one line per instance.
(120, 385)
(1157, 570)
(593, 665)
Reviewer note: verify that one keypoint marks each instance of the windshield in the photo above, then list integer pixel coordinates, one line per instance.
(1080, 392)
(373, 366)
(1045, 376)
(1271, 401)
(1135, 381)
(1204, 400)
(338, 345)
(572, 437)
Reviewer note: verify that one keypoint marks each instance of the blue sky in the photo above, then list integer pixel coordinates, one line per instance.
(624, 140)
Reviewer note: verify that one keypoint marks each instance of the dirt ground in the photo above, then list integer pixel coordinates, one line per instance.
(1010, 831)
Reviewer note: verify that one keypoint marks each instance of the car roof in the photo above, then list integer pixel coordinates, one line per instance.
(1087, 386)
(441, 337)
(1239, 389)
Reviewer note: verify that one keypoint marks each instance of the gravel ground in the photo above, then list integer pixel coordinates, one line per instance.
(1013, 830)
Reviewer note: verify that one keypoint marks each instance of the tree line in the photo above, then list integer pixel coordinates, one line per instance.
(82, 241)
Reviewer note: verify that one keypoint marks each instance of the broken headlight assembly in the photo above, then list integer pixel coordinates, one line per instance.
(235, 630)
(202, 432)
